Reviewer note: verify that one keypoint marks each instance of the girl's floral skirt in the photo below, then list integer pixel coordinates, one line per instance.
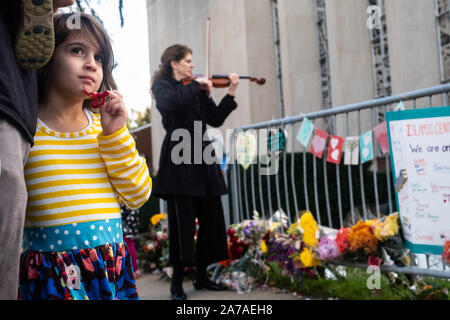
(102, 273)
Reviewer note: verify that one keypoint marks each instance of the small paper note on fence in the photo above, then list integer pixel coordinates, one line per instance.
(335, 149)
(319, 143)
(382, 137)
(305, 133)
(246, 149)
(366, 146)
(351, 149)
(399, 107)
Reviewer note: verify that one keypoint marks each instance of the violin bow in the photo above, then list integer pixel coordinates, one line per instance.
(260, 81)
(208, 46)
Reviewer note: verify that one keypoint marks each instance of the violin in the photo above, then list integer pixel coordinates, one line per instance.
(222, 81)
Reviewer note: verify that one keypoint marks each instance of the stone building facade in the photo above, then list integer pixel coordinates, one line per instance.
(314, 54)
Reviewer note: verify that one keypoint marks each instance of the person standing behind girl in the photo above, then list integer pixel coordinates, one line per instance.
(130, 223)
(81, 168)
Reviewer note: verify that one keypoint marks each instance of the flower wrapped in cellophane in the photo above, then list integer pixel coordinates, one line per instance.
(387, 230)
(246, 244)
(155, 245)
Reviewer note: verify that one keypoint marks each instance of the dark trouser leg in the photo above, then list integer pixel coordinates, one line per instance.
(181, 212)
(176, 285)
(13, 199)
(212, 239)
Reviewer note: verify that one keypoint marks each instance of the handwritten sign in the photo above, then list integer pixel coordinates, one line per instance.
(419, 142)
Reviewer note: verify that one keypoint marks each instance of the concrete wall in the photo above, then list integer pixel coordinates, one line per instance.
(241, 41)
(350, 59)
(413, 46)
(299, 56)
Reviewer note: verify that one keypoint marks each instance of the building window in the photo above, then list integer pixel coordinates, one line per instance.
(322, 39)
(442, 13)
(276, 34)
(380, 53)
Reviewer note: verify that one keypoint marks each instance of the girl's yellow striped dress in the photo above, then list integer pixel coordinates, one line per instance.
(73, 243)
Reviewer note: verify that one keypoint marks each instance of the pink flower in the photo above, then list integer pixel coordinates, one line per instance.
(328, 249)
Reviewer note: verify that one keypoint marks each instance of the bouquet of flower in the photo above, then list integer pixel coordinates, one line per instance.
(250, 232)
(242, 274)
(155, 244)
(306, 229)
(446, 253)
(282, 249)
(328, 249)
(361, 237)
(245, 246)
(385, 228)
(342, 239)
(236, 247)
(387, 231)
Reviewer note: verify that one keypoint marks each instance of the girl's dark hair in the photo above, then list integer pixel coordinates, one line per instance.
(175, 52)
(89, 27)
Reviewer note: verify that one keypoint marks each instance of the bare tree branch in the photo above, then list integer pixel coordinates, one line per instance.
(82, 3)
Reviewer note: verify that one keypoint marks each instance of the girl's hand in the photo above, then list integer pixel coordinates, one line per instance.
(114, 114)
(234, 83)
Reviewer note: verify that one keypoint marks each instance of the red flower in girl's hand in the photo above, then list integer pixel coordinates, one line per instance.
(98, 98)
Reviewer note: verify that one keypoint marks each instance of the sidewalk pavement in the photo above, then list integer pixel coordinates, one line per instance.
(152, 287)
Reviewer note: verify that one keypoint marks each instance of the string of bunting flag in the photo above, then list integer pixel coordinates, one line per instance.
(356, 148)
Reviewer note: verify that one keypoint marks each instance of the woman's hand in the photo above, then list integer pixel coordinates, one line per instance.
(205, 84)
(114, 113)
(234, 77)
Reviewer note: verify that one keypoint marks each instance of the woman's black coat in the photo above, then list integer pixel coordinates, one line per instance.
(181, 105)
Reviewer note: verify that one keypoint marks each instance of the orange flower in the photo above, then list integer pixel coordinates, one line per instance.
(361, 237)
(446, 252)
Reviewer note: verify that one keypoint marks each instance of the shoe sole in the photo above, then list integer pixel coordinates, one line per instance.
(36, 39)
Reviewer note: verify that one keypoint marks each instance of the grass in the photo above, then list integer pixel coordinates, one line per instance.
(354, 286)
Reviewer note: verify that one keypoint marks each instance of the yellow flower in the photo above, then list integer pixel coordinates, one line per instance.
(263, 246)
(310, 239)
(309, 226)
(386, 229)
(157, 217)
(308, 259)
(307, 222)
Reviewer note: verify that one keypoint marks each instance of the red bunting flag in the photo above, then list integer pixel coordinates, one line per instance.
(335, 149)
(318, 143)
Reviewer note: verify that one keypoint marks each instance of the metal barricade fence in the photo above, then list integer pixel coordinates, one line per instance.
(337, 195)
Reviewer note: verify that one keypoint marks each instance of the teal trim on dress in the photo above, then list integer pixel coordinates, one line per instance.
(73, 236)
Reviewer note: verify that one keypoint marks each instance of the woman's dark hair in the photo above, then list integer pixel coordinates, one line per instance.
(89, 27)
(175, 52)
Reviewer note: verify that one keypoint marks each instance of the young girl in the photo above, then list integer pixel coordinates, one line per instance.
(81, 168)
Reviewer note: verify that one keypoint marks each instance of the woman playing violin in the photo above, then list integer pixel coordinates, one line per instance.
(192, 188)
